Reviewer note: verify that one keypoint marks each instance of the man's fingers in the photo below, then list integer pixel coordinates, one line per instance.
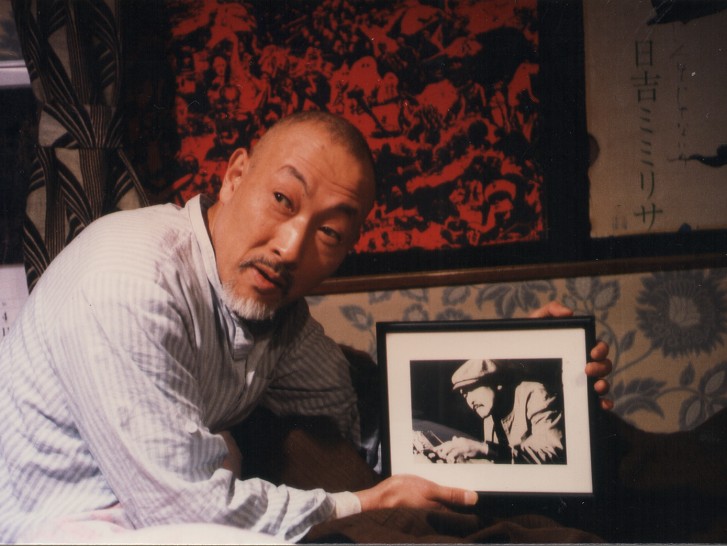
(600, 351)
(454, 496)
(414, 492)
(552, 309)
(602, 387)
(599, 369)
(463, 497)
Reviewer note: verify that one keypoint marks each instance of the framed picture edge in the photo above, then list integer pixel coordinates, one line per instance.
(586, 323)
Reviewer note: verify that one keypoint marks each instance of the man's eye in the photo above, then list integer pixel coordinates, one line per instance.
(332, 233)
(280, 198)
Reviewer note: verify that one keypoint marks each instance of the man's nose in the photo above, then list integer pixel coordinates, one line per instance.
(289, 241)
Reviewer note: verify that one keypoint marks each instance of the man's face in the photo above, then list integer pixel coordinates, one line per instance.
(481, 399)
(287, 216)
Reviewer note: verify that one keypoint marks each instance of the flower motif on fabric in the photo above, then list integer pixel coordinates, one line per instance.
(523, 296)
(707, 399)
(683, 313)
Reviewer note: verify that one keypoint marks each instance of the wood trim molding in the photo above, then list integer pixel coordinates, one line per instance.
(514, 273)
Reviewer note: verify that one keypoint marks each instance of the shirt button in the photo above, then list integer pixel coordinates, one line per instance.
(190, 427)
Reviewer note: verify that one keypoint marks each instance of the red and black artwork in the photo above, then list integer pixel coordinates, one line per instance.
(445, 91)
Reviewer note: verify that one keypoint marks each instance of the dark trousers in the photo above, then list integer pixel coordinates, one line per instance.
(652, 488)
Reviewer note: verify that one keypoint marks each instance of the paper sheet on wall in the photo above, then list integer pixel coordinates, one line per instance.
(13, 293)
(655, 81)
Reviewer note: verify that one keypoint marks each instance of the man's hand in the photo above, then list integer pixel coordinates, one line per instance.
(414, 492)
(552, 309)
(233, 461)
(599, 367)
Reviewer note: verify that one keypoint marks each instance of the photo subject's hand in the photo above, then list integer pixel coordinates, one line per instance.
(408, 491)
(459, 449)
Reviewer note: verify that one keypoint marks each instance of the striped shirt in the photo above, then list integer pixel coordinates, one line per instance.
(123, 365)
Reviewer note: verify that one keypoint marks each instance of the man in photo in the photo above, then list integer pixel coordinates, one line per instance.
(522, 420)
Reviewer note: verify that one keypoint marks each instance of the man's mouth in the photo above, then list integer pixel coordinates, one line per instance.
(275, 273)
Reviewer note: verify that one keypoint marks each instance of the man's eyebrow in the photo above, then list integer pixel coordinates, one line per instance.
(348, 210)
(297, 175)
(345, 208)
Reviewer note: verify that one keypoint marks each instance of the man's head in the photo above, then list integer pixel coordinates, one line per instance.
(477, 382)
(289, 211)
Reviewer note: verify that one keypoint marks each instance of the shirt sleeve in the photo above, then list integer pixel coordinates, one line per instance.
(127, 363)
(347, 504)
(313, 378)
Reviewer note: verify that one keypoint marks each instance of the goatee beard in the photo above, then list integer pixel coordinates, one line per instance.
(245, 308)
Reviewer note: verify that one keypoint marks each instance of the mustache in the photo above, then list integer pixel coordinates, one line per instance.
(277, 271)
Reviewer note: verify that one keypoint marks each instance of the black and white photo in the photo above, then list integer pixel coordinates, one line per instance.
(498, 405)
(507, 411)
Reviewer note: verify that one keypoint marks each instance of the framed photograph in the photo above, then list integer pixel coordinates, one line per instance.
(498, 406)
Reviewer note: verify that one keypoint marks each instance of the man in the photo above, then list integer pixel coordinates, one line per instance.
(522, 421)
(158, 329)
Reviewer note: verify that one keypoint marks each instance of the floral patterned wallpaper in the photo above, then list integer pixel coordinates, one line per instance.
(666, 330)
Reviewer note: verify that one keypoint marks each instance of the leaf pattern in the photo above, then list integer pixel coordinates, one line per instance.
(627, 341)
(714, 382)
(581, 287)
(416, 295)
(634, 404)
(686, 378)
(455, 295)
(415, 313)
(639, 389)
(378, 297)
(358, 317)
(606, 295)
(490, 293)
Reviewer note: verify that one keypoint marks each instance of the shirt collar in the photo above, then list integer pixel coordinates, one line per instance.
(239, 335)
(197, 210)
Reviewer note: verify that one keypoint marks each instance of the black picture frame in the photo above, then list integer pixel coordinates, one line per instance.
(532, 357)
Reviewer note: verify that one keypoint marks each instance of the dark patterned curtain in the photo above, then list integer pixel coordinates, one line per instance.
(80, 171)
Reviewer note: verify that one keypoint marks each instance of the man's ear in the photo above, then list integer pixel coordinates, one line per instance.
(233, 176)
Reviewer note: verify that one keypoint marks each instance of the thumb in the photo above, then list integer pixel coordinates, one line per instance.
(461, 497)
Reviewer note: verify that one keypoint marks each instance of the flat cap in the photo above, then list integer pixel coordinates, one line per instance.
(472, 372)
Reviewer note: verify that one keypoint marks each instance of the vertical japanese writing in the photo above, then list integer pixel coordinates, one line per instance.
(646, 81)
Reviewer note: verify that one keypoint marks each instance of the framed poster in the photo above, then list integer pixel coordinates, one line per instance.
(496, 406)
(655, 79)
(462, 103)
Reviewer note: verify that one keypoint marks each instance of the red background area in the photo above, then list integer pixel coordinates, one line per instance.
(445, 92)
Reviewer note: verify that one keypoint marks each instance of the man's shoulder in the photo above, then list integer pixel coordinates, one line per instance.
(293, 319)
(296, 326)
(158, 228)
(530, 387)
(136, 243)
(137, 221)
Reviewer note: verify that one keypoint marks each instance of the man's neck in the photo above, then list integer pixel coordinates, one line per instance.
(209, 212)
